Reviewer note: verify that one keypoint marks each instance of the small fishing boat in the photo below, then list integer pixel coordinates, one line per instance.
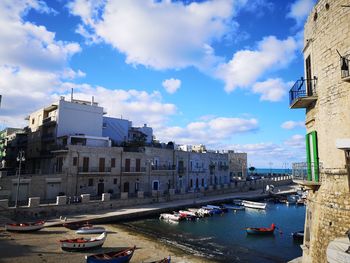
(298, 236)
(173, 217)
(199, 212)
(121, 256)
(188, 215)
(25, 227)
(90, 230)
(212, 210)
(223, 209)
(78, 244)
(234, 207)
(261, 230)
(256, 205)
(164, 260)
(76, 225)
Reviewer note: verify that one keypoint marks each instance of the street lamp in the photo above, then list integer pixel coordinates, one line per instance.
(20, 159)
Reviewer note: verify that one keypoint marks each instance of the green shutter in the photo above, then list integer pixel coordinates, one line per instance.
(312, 157)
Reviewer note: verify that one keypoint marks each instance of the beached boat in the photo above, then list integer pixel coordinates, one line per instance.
(256, 205)
(78, 244)
(164, 260)
(299, 235)
(261, 230)
(120, 256)
(234, 207)
(90, 230)
(25, 227)
(76, 225)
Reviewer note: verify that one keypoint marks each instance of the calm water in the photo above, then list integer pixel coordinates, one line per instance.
(223, 237)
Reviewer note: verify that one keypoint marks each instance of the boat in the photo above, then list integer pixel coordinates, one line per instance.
(91, 230)
(292, 199)
(223, 209)
(25, 227)
(76, 225)
(256, 205)
(78, 244)
(298, 236)
(212, 210)
(200, 212)
(164, 260)
(188, 215)
(234, 207)
(120, 256)
(173, 217)
(261, 230)
(301, 201)
(237, 201)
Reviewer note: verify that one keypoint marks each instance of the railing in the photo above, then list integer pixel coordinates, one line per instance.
(133, 170)
(49, 119)
(197, 170)
(299, 89)
(344, 67)
(163, 167)
(94, 170)
(300, 171)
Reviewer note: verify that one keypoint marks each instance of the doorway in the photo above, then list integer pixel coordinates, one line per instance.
(100, 188)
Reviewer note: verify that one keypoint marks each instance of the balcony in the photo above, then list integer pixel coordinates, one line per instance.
(94, 170)
(164, 167)
(49, 121)
(198, 170)
(302, 175)
(344, 67)
(133, 169)
(303, 93)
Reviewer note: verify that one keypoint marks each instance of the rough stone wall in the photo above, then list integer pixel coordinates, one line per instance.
(326, 31)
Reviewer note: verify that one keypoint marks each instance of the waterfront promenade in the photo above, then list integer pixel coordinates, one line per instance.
(113, 215)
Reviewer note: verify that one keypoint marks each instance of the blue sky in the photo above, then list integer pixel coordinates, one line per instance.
(199, 72)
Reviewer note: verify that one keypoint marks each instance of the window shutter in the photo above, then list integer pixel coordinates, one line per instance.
(312, 157)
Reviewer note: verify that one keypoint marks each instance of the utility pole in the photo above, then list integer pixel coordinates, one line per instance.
(20, 159)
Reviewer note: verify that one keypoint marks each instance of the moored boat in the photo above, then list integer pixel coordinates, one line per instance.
(90, 230)
(223, 209)
(261, 230)
(212, 210)
(120, 256)
(78, 244)
(199, 212)
(25, 226)
(299, 235)
(172, 217)
(188, 215)
(234, 207)
(251, 204)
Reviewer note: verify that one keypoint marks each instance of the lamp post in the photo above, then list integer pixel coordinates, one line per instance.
(20, 159)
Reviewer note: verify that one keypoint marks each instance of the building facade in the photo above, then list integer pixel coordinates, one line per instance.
(324, 92)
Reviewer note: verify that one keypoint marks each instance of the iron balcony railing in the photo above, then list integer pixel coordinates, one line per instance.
(94, 170)
(302, 88)
(344, 67)
(306, 172)
(197, 170)
(163, 167)
(133, 169)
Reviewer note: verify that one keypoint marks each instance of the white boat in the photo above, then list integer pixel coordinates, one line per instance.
(199, 212)
(173, 217)
(91, 230)
(256, 205)
(25, 227)
(292, 199)
(234, 207)
(187, 213)
(77, 244)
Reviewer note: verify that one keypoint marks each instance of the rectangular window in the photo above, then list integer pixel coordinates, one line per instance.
(308, 76)
(85, 164)
(113, 162)
(91, 182)
(312, 157)
(127, 165)
(115, 181)
(138, 165)
(75, 161)
(101, 167)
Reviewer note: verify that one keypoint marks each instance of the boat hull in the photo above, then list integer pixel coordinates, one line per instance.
(90, 230)
(25, 227)
(255, 205)
(81, 244)
(108, 258)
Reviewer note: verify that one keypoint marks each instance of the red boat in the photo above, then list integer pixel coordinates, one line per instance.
(25, 227)
(261, 230)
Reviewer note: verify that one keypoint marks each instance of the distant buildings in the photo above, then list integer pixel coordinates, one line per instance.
(324, 92)
(71, 148)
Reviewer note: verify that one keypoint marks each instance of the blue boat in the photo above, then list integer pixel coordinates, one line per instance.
(121, 256)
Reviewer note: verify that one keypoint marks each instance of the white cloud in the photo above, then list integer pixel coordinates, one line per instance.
(296, 141)
(300, 9)
(210, 131)
(289, 125)
(247, 66)
(171, 85)
(271, 89)
(158, 34)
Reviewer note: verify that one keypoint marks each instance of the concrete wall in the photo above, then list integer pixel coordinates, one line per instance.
(116, 129)
(328, 213)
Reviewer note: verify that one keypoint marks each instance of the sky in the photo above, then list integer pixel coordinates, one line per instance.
(213, 72)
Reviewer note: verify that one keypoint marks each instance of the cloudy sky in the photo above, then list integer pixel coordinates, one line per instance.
(199, 72)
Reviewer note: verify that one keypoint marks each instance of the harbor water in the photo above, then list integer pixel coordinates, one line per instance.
(223, 238)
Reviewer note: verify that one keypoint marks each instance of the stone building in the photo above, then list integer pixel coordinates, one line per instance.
(324, 92)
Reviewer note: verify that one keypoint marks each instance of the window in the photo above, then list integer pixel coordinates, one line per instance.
(115, 181)
(113, 162)
(308, 76)
(86, 164)
(91, 182)
(33, 121)
(138, 165)
(127, 165)
(75, 161)
(101, 167)
(312, 157)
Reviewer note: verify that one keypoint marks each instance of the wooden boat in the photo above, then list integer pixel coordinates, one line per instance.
(164, 260)
(76, 225)
(261, 230)
(25, 227)
(234, 207)
(90, 230)
(121, 256)
(78, 244)
(299, 235)
(256, 205)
